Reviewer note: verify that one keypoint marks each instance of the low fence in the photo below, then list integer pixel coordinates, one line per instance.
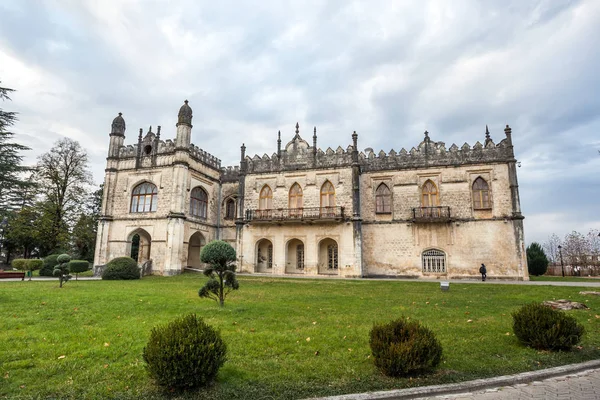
(556, 270)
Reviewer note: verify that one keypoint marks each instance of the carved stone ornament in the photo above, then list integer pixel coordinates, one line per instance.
(118, 125)
(185, 114)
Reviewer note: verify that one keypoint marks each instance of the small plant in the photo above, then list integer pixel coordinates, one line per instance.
(543, 328)
(33, 264)
(61, 270)
(19, 263)
(121, 268)
(404, 347)
(221, 257)
(48, 265)
(78, 266)
(185, 353)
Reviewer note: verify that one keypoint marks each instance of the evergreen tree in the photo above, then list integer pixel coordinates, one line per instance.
(11, 171)
(537, 262)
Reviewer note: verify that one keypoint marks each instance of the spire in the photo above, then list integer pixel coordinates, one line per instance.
(243, 152)
(488, 139)
(118, 125)
(279, 144)
(185, 115)
(427, 139)
(158, 132)
(315, 141)
(140, 135)
(297, 128)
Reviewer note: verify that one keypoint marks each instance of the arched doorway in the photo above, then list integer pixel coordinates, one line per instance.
(264, 256)
(139, 243)
(294, 262)
(328, 256)
(195, 245)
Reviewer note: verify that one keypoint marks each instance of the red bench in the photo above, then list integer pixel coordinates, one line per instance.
(9, 275)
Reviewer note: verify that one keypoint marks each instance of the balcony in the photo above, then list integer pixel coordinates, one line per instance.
(431, 214)
(296, 215)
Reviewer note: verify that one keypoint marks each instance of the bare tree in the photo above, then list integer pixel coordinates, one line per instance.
(576, 249)
(593, 238)
(65, 180)
(551, 248)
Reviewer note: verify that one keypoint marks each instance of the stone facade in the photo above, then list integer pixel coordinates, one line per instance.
(431, 211)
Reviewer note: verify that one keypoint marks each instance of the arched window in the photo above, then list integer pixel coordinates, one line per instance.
(295, 201)
(199, 203)
(266, 198)
(383, 200)
(295, 196)
(327, 199)
(144, 198)
(434, 261)
(429, 194)
(481, 194)
(230, 209)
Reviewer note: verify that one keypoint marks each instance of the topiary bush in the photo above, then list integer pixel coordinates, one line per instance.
(404, 347)
(19, 263)
(185, 353)
(61, 270)
(543, 328)
(121, 268)
(50, 262)
(78, 266)
(33, 264)
(220, 257)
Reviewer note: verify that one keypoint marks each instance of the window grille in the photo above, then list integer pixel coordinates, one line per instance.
(300, 256)
(332, 256)
(270, 256)
(434, 261)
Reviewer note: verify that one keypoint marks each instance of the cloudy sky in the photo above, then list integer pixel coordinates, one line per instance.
(388, 69)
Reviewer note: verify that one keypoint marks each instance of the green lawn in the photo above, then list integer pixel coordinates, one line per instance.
(286, 338)
(549, 278)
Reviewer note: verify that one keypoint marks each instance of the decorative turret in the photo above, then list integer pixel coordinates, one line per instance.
(117, 136)
(184, 126)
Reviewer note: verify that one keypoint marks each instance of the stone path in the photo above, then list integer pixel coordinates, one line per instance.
(581, 386)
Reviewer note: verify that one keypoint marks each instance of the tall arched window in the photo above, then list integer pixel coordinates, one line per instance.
(144, 198)
(383, 200)
(199, 203)
(429, 194)
(481, 194)
(327, 199)
(230, 209)
(295, 200)
(265, 201)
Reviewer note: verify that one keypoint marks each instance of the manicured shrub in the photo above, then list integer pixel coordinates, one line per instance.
(403, 347)
(33, 264)
(121, 268)
(19, 263)
(49, 263)
(61, 270)
(185, 353)
(78, 266)
(220, 257)
(544, 328)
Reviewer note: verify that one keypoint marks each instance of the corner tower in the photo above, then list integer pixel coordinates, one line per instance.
(117, 136)
(184, 126)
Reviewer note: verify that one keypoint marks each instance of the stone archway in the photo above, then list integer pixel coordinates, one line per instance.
(294, 260)
(139, 245)
(195, 245)
(328, 257)
(264, 256)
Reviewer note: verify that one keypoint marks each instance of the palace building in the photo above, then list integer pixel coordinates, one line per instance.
(432, 211)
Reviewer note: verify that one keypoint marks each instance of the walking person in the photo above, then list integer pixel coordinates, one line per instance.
(483, 272)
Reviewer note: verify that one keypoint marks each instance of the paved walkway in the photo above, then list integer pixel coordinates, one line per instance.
(581, 386)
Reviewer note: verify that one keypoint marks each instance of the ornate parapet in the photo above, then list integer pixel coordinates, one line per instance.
(230, 174)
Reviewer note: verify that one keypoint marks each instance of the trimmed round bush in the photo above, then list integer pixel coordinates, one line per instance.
(217, 252)
(121, 268)
(50, 262)
(543, 328)
(185, 353)
(79, 266)
(34, 264)
(403, 347)
(19, 263)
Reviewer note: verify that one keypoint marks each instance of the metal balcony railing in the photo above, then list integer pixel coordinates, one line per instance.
(431, 214)
(295, 214)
